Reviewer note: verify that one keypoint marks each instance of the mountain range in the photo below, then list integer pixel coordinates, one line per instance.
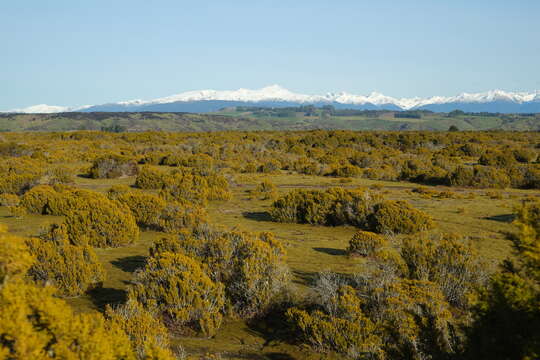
(276, 96)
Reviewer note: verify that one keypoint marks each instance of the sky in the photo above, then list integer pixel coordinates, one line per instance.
(92, 52)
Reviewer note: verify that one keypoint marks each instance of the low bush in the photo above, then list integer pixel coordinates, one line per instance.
(334, 206)
(147, 333)
(478, 177)
(360, 208)
(36, 325)
(264, 190)
(251, 266)
(100, 222)
(446, 260)
(399, 217)
(365, 243)
(112, 166)
(9, 200)
(179, 290)
(72, 269)
(19, 175)
(15, 259)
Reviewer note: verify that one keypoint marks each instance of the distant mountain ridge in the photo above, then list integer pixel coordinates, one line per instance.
(277, 96)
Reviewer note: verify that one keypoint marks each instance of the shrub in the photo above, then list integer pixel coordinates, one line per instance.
(251, 266)
(265, 190)
(175, 217)
(479, 177)
(42, 199)
(112, 166)
(60, 175)
(147, 333)
(270, 166)
(334, 206)
(184, 296)
(447, 261)
(149, 178)
(524, 155)
(399, 217)
(365, 243)
(146, 208)
(348, 330)
(506, 315)
(19, 175)
(15, 259)
(36, 325)
(9, 200)
(100, 222)
(497, 158)
(346, 171)
(70, 268)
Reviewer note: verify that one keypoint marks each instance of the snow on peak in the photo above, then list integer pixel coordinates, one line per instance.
(278, 93)
(40, 109)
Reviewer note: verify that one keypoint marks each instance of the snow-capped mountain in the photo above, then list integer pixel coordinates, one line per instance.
(277, 96)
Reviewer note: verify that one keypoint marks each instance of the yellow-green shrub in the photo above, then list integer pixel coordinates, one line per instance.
(42, 199)
(100, 222)
(348, 331)
(112, 166)
(251, 266)
(36, 325)
(147, 333)
(365, 243)
(264, 190)
(446, 260)
(178, 289)
(19, 175)
(72, 269)
(334, 206)
(150, 178)
(399, 217)
(9, 200)
(15, 259)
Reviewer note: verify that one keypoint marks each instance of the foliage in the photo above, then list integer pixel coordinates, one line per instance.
(112, 166)
(9, 200)
(347, 330)
(36, 325)
(19, 174)
(365, 243)
(399, 217)
(264, 190)
(148, 335)
(176, 287)
(15, 259)
(334, 206)
(72, 269)
(251, 266)
(446, 260)
(507, 314)
(100, 222)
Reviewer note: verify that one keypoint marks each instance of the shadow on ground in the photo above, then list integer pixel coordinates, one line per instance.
(304, 277)
(130, 263)
(100, 297)
(507, 218)
(330, 251)
(257, 216)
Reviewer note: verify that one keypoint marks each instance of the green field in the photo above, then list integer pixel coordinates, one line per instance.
(247, 120)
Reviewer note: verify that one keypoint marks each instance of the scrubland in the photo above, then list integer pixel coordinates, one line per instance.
(270, 245)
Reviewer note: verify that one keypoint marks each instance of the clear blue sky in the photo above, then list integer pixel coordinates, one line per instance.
(90, 52)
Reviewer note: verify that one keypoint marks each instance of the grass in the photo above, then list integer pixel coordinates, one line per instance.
(484, 218)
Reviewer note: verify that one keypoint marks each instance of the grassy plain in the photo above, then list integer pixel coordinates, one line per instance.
(230, 119)
(482, 214)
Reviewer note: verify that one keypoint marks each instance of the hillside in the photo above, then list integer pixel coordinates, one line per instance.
(251, 118)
